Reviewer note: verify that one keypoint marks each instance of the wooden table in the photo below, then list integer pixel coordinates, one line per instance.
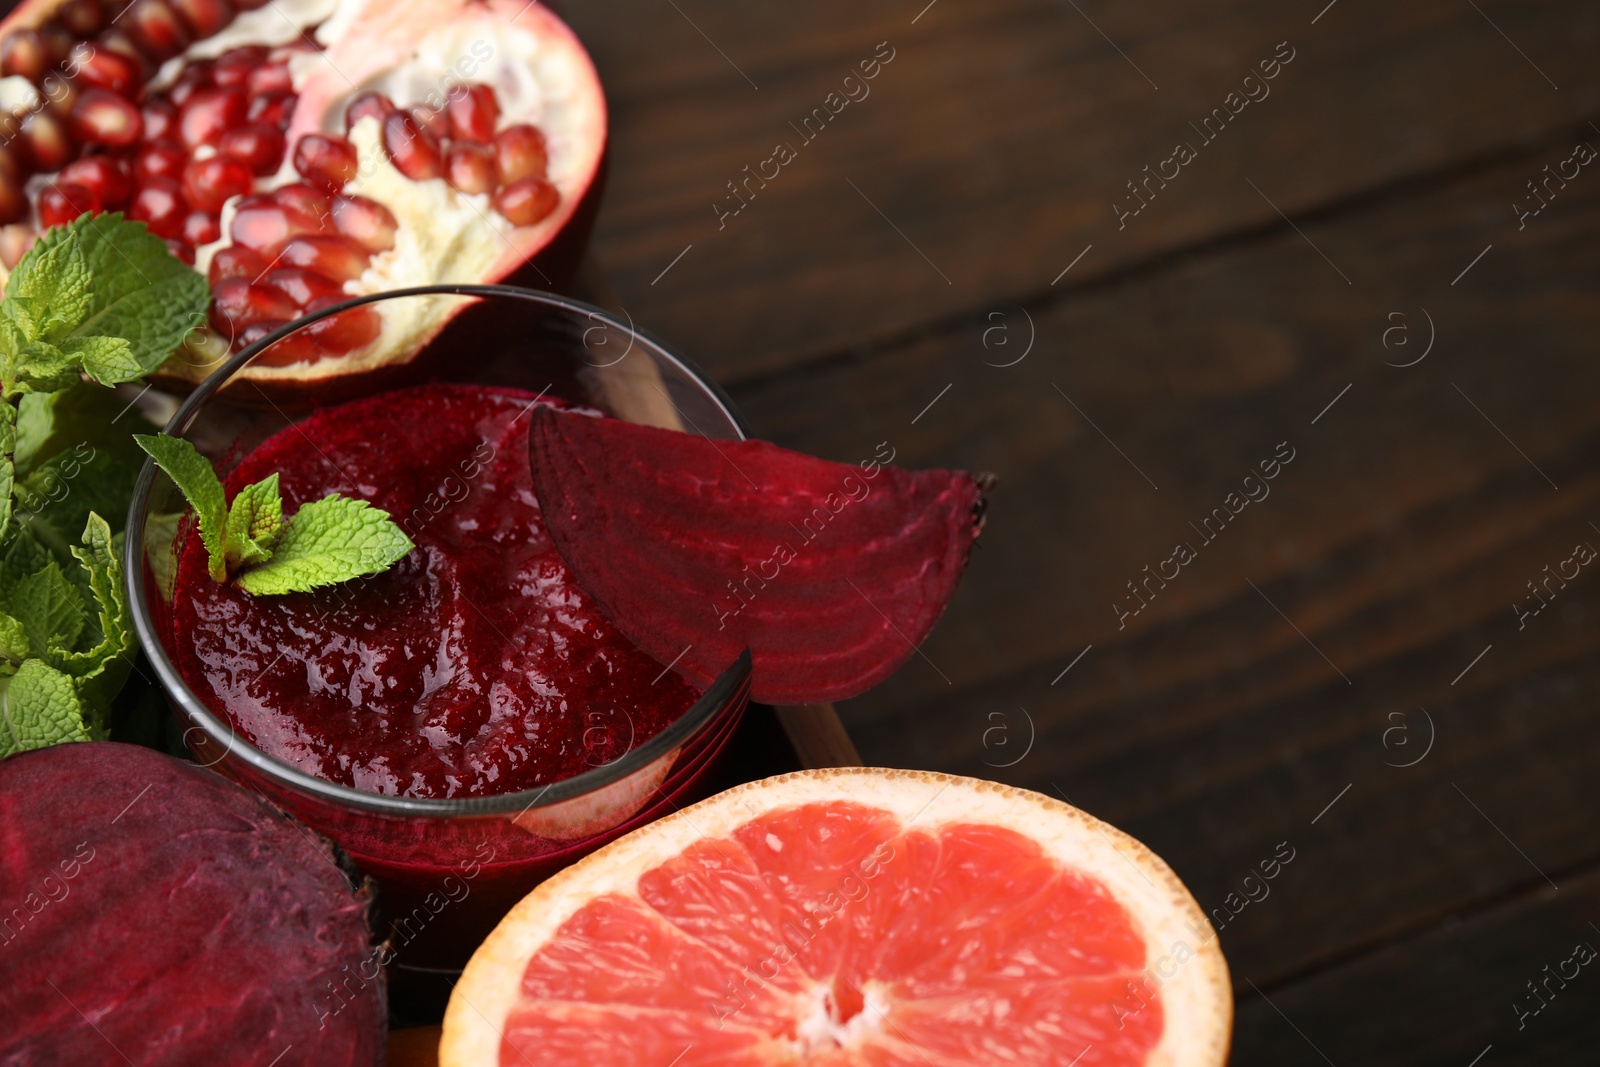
(1350, 269)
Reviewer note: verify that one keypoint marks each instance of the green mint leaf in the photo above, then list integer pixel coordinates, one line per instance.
(39, 707)
(51, 282)
(8, 469)
(328, 541)
(100, 669)
(14, 644)
(255, 521)
(108, 360)
(42, 367)
(141, 291)
(49, 607)
(198, 482)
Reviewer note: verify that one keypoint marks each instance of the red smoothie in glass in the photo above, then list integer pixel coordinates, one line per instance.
(474, 666)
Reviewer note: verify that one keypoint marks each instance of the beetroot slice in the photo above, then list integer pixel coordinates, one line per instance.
(154, 909)
(831, 573)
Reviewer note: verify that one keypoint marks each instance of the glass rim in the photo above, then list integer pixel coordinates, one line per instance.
(701, 713)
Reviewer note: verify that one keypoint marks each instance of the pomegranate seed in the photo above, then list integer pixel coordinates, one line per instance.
(160, 119)
(106, 177)
(159, 205)
(249, 5)
(434, 121)
(338, 258)
(156, 28)
(413, 149)
(163, 159)
(310, 201)
(45, 142)
(258, 146)
(271, 78)
(326, 161)
(181, 249)
(375, 104)
(235, 261)
(297, 347)
(61, 202)
(102, 117)
(108, 70)
(60, 94)
(272, 109)
(345, 331)
(15, 240)
(210, 183)
(237, 303)
(203, 17)
(234, 67)
(12, 164)
(58, 41)
(300, 285)
(25, 53)
(519, 153)
(83, 17)
(13, 201)
(209, 114)
(470, 167)
(473, 113)
(260, 224)
(195, 77)
(118, 41)
(367, 222)
(201, 228)
(527, 201)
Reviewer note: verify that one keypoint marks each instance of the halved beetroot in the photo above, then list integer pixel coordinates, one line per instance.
(156, 913)
(830, 573)
(298, 153)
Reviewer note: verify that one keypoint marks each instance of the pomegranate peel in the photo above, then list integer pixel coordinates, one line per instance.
(830, 573)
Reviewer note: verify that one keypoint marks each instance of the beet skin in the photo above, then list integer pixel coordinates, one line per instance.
(152, 912)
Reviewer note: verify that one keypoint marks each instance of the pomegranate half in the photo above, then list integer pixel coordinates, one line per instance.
(299, 152)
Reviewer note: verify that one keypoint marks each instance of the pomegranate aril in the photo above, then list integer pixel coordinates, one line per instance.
(156, 28)
(325, 161)
(83, 17)
(272, 109)
(158, 203)
(210, 183)
(110, 70)
(306, 199)
(24, 52)
(46, 142)
(61, 202)
(236, 261)
(119, 41)
(258, 146)
(60, 94)
(58, 41)
(105, 176)
(473, 112)
(209, 114)
(336, 258)
(345, 331)
(201, 228)
(102, 117)
(367, 222)
(527, 201)
(233, 68)
(160, 119)
(204, 17)
(297, 347)
(238, 303)
(470, 167)
(300, 285)
(413, 149)
(519, 153)
(260, 224)
(13, 201)
(165, 159)
(270, 78)
(195, 77)
(376, 105)
(181, 249)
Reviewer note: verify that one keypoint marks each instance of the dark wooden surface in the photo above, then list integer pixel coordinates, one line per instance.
(1356, 620)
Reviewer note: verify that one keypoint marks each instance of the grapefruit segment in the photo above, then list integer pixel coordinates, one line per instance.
(853, 917)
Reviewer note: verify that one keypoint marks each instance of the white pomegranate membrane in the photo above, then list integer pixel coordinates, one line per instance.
(298, 154)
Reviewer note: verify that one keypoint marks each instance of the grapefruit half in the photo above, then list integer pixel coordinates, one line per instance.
(852, 916)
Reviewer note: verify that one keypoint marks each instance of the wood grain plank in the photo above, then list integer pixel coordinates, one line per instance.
(1275, 669)
(991, 149)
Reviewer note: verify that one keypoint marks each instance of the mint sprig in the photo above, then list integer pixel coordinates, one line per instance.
(326, 542)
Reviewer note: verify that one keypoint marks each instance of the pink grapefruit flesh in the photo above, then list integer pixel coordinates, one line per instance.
(853, 917)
